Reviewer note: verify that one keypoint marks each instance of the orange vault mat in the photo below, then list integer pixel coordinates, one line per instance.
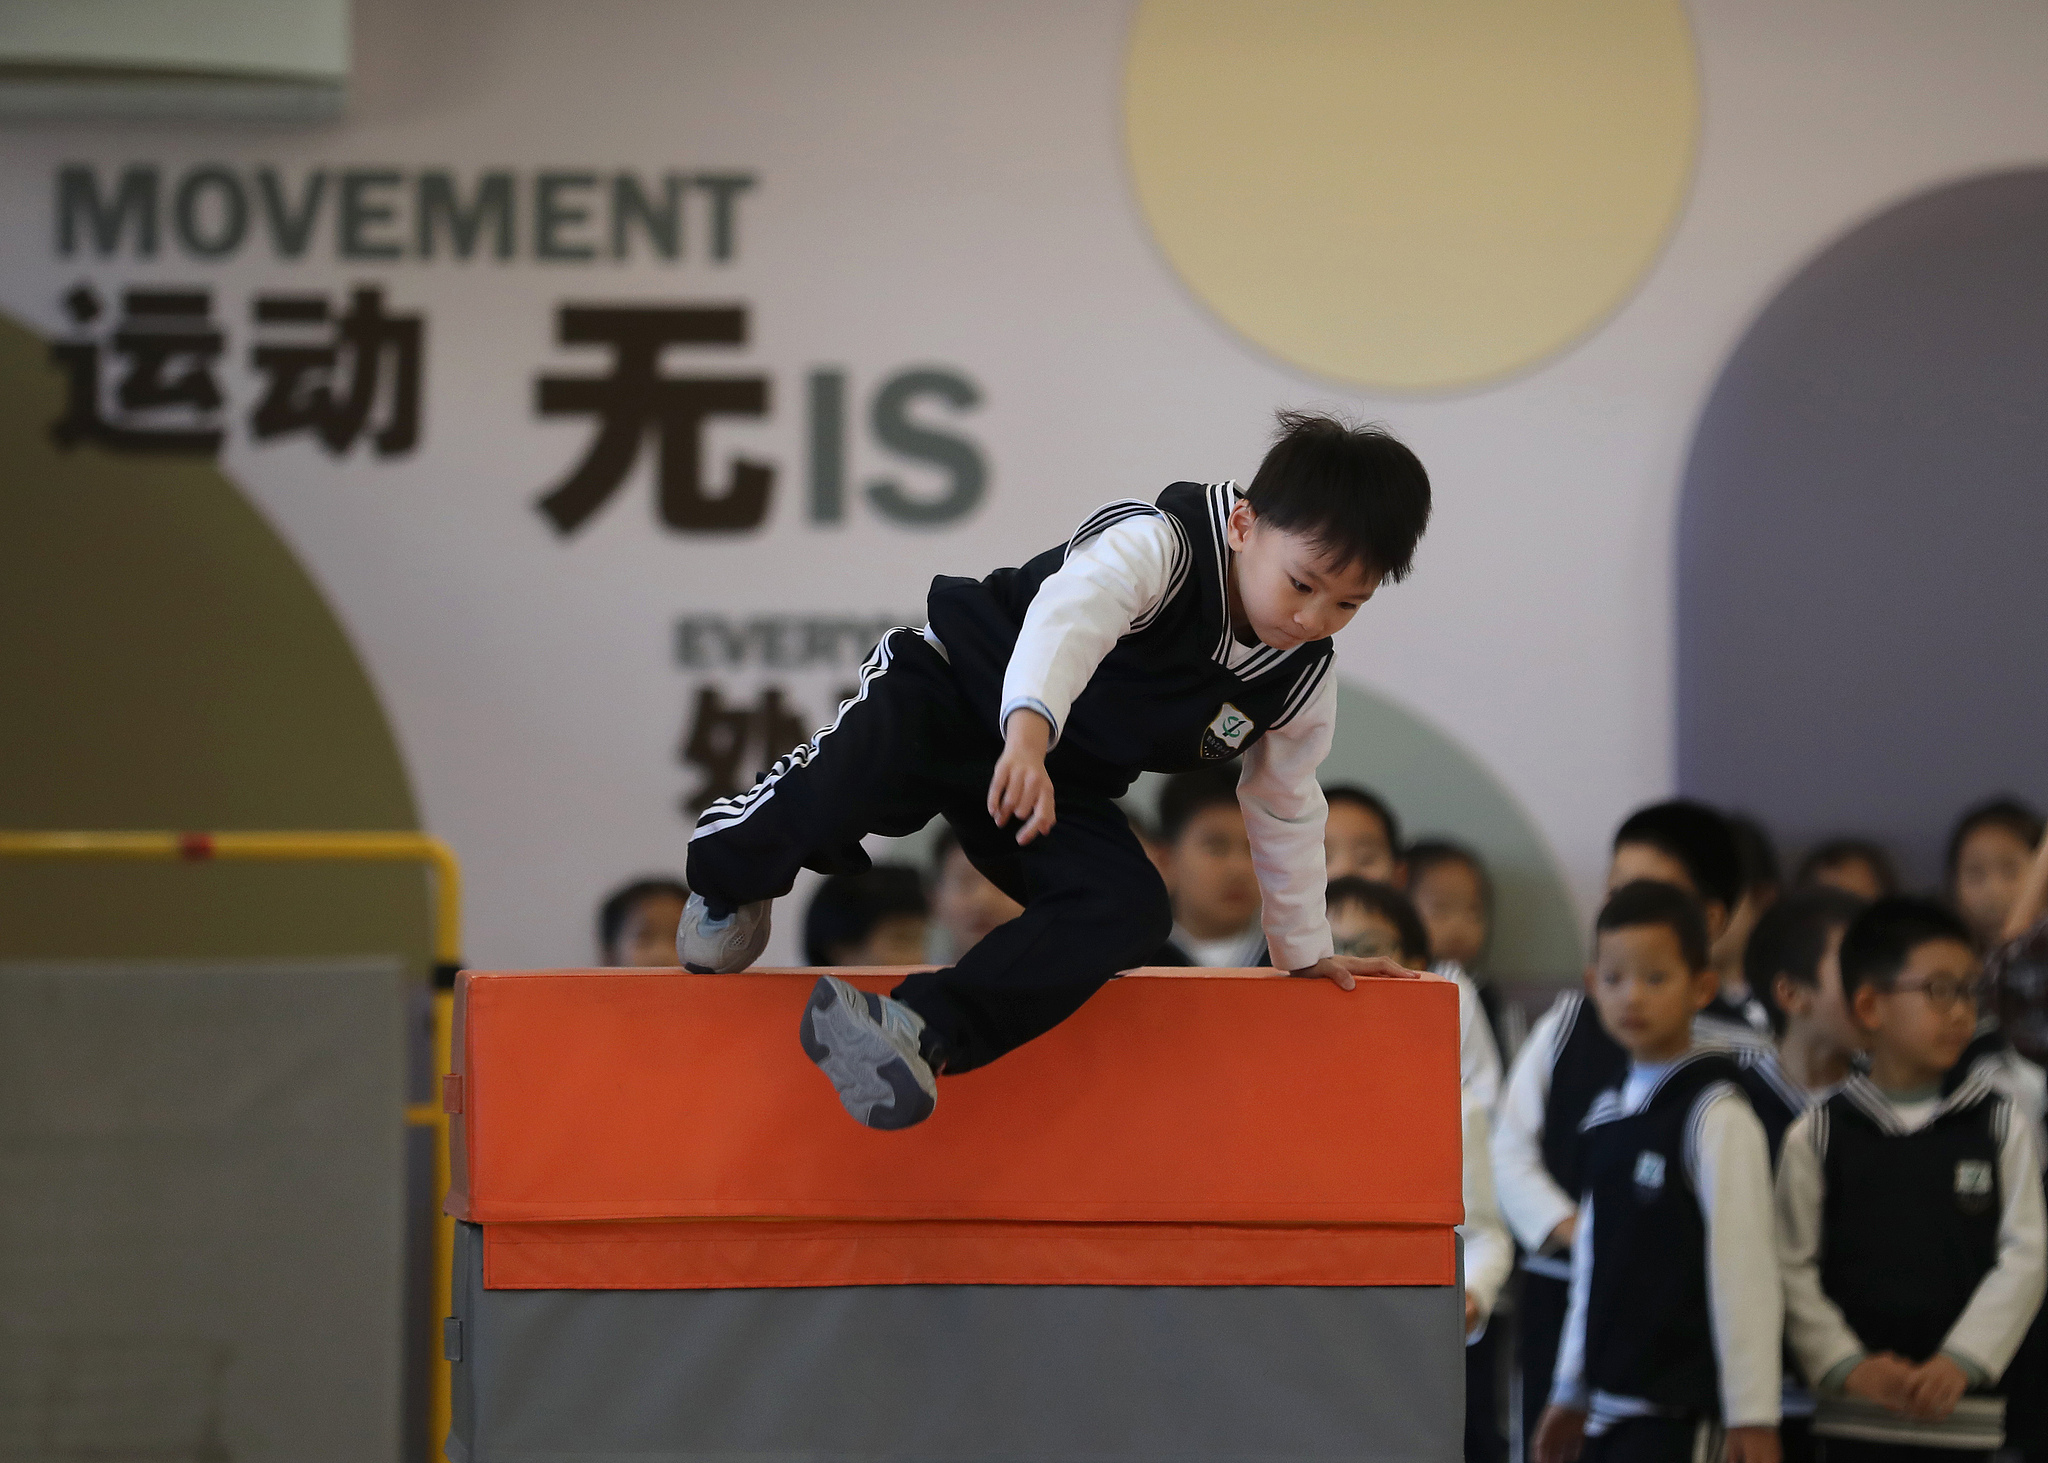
(653, 1130)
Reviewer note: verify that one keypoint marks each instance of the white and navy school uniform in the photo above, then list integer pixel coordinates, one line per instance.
(1566, 1062)
(1675, 1321)
(1778, 1102)
(1990, 1055)
(1912, 1225)
(1121, 638)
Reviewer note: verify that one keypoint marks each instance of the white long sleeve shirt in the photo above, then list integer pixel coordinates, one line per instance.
(1985, 1336)
(1489, 1253)
(1728, 1162)
(1531, 1201)
(1478, 1053)
(1116, 582)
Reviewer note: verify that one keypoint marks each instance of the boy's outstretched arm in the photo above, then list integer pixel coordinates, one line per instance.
(1284, 813)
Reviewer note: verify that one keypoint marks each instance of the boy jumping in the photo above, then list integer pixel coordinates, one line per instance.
(1160, 637)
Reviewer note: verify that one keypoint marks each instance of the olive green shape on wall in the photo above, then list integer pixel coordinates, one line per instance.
(1440, 789)
(167, 663)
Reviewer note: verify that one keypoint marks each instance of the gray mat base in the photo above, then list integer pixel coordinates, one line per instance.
(990, 1373)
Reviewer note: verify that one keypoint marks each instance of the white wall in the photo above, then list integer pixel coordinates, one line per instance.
(944, 184)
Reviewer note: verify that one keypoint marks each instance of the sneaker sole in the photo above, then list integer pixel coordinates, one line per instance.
(874, 1082)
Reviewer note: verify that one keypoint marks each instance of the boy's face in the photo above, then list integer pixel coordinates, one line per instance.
(1989, 867)
(1215, 889)
(648, 937)
(1286, 586)
(1361, 930)
(1453, 910)
(1819, 1009)
(1645, 991)
(965, 904)
(1355, 842)
(1633, 861)
(1919, 1024)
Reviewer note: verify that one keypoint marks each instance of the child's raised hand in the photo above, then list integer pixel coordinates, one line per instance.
(1754, 1445)
(1560, 1435)
(1343, 969)
(1021, 787)
(1934, 1387)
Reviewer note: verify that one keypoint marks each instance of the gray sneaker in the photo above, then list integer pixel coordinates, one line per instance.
(721, 946)
(868, 1046)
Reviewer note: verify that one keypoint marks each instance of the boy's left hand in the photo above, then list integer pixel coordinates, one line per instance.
(1342, 969)
(1754, 1445)
(1934, 1387)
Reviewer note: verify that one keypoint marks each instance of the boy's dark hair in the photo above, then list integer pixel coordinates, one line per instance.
(1698, 838)
(2014, 816)
(1644, 902)
(1188, 793)
(1426, 855)
(1355, 492)
(1755, 854)
(1790, 940)
(1390, 904)
(1837, 851)
(847, 907)
(1880, 940)
(1373, 803)
(611, 915)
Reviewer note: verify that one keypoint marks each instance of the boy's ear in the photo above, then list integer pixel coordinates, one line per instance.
(1863, 1009)
(1589, 980)
(1793, 998)
(1239, 526)
(1706, 984)
(1717, 918)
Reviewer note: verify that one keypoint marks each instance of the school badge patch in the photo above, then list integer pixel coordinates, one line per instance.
(1224, 737)
(1649, 1176)
(1974, 1185)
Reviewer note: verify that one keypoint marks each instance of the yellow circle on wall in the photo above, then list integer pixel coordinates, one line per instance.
(1411, 195)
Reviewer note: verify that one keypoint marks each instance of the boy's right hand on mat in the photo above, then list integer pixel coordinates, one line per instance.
(1021, 787)
(1344, 970)
(1560, 1435)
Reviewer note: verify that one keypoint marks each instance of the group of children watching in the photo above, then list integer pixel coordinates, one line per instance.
(1774, 1177)
(1776, 1173)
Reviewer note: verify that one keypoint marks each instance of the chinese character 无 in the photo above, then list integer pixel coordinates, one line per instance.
(635, 398)
(329, 379)
(720, 737)
(168, 399)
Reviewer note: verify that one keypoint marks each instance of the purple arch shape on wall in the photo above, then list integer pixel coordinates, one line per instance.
(1863, 532)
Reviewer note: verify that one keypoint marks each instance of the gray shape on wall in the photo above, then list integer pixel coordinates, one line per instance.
(1862, 645)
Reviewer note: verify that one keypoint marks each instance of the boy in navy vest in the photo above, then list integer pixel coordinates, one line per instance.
(1793, 963)
(1567, 1061)
(1910, 1210)
(1163, 636)
(1671, 1341)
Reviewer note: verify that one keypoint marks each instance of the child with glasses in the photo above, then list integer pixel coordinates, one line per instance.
(1910, 1223)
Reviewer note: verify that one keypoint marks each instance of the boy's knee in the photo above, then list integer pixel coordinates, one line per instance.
(1142, 918)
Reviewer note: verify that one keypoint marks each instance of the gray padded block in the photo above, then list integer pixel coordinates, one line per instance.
(990, 1373)
(201, 1170)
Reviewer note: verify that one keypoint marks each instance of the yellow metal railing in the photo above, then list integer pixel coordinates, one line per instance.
(310, 847)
